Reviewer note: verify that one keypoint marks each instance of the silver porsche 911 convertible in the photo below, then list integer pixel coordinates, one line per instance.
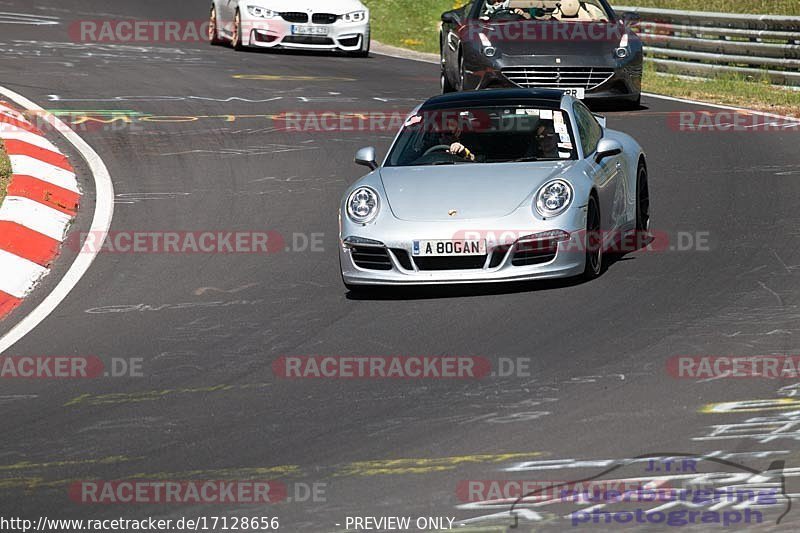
(492, 186)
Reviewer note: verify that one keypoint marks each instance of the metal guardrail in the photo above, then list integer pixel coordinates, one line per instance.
(699, 43)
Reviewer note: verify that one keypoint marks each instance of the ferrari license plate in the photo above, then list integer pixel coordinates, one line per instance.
(308, 30)
(577, 92)
(449, 248)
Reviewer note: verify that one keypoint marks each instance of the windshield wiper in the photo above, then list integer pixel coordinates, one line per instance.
(523, 159)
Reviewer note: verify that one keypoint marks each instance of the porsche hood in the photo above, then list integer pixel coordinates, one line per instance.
(472, 190)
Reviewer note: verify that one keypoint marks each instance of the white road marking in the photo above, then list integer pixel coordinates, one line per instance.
(101, 222)
(28, 166)
(19, 274)
(30, 19)
(36, 216)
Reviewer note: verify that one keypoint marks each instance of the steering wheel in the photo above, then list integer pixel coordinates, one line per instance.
(436, 148)
(507, 11)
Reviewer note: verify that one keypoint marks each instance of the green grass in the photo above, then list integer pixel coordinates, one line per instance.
(412, 24)
(5, 172)
(760, 7)
(728, 89)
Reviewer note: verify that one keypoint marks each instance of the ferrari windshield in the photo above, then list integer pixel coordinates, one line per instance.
(544, 10)
(483, 135)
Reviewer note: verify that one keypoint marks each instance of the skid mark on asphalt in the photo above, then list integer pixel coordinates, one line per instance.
(268, 149)
(112, 309)
(117, 398)
(286, 77)
(424, 465)
(355, 469)
(27, 465)
(202, 290)
(136, 197)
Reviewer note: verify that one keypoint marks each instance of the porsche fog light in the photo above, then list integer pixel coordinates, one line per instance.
(363, 205)
(553, 198)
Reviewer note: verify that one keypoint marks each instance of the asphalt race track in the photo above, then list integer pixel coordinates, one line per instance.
(208, 327)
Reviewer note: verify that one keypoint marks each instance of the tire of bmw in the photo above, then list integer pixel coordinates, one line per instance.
(213, 31)
(236, 39)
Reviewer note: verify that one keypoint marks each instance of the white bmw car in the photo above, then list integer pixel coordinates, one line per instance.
(298, 24)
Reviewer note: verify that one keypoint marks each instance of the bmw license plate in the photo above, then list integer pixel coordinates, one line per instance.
(449, 248)
(577, 92)
(309, 30)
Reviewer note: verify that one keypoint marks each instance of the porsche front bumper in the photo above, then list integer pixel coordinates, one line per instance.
(372, 256)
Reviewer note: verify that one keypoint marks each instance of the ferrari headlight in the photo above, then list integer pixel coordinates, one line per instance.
(363, 205)
(262, 12)
(553, 198)
(622, 51)
(355, 16)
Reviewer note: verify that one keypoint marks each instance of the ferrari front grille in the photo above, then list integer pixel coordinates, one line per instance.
(558, 77)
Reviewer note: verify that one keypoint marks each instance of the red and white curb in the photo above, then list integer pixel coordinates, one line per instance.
(41, 202)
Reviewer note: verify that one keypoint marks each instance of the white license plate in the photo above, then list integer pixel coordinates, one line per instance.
(577, 92)
(448, 248)
(309, 30)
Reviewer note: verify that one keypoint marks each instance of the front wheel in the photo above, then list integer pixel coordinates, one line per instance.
(460, 80)
(213, 32)
(236, 38)
(593, 242)
(445, 84)
(642, 201)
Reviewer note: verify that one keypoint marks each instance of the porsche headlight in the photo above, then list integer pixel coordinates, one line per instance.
(355, 16)
(553, 198)
(262, 12)
(363, 205)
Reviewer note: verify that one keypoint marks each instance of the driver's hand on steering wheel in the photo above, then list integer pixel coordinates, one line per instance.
(523, 14)
(461, 150)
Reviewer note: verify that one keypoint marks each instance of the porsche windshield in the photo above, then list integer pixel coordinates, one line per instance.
(483, 135)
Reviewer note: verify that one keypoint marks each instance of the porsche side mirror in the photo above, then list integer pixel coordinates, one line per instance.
(607, 148)
(366, 157)
(449, 17)
(601, 119)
